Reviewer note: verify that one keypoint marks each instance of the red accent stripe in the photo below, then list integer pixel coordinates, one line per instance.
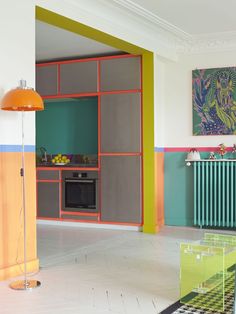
(99, 115)
(70, 95)
(100, 194)
(69, 168)
(98, 76)
(88, 59)
(78, 213)
(120, 223)
(200, 149)
(58, 79)
(60, 194)
(92, 94)
(47, 181)
(141, 136)
(121, 154)
(120, 91)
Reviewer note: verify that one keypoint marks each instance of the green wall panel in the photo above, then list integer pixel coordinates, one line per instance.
(68, 126)
(178, 190)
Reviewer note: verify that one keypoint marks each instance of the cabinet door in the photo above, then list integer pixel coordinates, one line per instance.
(120, 74)
(48, 174)
(78, 77)
(121, 189)
(121, 123)
(48, 199)
(46, 80)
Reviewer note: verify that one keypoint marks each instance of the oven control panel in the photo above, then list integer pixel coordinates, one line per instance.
(80, 174)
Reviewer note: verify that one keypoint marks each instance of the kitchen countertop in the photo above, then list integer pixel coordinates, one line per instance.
(70, 165)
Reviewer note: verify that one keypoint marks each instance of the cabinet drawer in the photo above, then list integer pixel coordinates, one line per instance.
(120, 74)
(46, 80)
(80, 217)
(48, 175)
(78, 77)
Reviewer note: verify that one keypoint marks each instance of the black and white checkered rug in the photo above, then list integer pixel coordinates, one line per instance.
(204, 303)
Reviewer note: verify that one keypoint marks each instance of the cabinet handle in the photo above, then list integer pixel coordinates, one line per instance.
(80, 181)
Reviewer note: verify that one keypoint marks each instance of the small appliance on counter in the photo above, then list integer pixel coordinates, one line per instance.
(193, 155)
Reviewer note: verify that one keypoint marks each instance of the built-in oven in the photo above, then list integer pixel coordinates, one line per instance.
(80, 191)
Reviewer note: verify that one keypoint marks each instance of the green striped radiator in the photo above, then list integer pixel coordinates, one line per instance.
(215, 193)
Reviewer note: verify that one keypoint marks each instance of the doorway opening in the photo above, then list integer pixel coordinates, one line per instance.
(75, 27)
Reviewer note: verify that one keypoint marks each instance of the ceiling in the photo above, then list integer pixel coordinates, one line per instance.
(195, 23)
(194, 17)
(53, 43)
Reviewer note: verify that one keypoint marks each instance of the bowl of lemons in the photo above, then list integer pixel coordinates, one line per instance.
(60, 160)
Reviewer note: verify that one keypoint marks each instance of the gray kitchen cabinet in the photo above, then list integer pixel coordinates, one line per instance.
(78, 77)
(48, 175)
(120, 74)
(48, 199)
(46, 80)
(121, 123)
(121, 189)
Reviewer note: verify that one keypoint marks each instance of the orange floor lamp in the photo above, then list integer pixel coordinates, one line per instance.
(23, 99)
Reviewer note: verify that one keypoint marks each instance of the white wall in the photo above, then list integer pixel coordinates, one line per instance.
(173, 110)
(17, 53)
(160, 100)
(16, 61)
(176, 78)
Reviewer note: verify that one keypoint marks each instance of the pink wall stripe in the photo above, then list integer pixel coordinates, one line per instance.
(187, 149)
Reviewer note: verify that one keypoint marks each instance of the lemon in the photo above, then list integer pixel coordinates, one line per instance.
(53, 161)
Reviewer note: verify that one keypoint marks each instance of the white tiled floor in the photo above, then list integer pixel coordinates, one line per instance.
(90, 271)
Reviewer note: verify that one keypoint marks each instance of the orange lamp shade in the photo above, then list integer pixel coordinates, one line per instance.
(20, 99)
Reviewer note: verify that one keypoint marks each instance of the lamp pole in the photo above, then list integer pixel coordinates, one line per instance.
(23, 99)
(22, 173)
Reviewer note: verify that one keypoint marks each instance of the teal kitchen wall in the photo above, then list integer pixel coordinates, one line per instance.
(68, 126)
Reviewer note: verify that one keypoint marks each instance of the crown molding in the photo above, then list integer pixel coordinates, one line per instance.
(113, 19)
(215, 42)
(130, 21)
(176, 38)
(151, 17)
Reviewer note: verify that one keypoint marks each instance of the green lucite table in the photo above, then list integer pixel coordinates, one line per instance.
(205, 268)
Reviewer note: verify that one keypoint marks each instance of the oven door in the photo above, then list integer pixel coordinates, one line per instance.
(80, 195)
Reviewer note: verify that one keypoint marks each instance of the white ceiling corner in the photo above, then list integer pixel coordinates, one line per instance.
(167, 27)
(214, 30)
(151, 17)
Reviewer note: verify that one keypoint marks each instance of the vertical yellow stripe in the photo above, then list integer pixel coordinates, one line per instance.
(150, 214)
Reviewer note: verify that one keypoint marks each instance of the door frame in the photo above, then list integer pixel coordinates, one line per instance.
(149, 208)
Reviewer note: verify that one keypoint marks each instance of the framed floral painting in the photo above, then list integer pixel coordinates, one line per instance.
(214, 101)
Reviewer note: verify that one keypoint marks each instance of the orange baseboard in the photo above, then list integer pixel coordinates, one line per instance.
(17, 270)
(160, 222)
